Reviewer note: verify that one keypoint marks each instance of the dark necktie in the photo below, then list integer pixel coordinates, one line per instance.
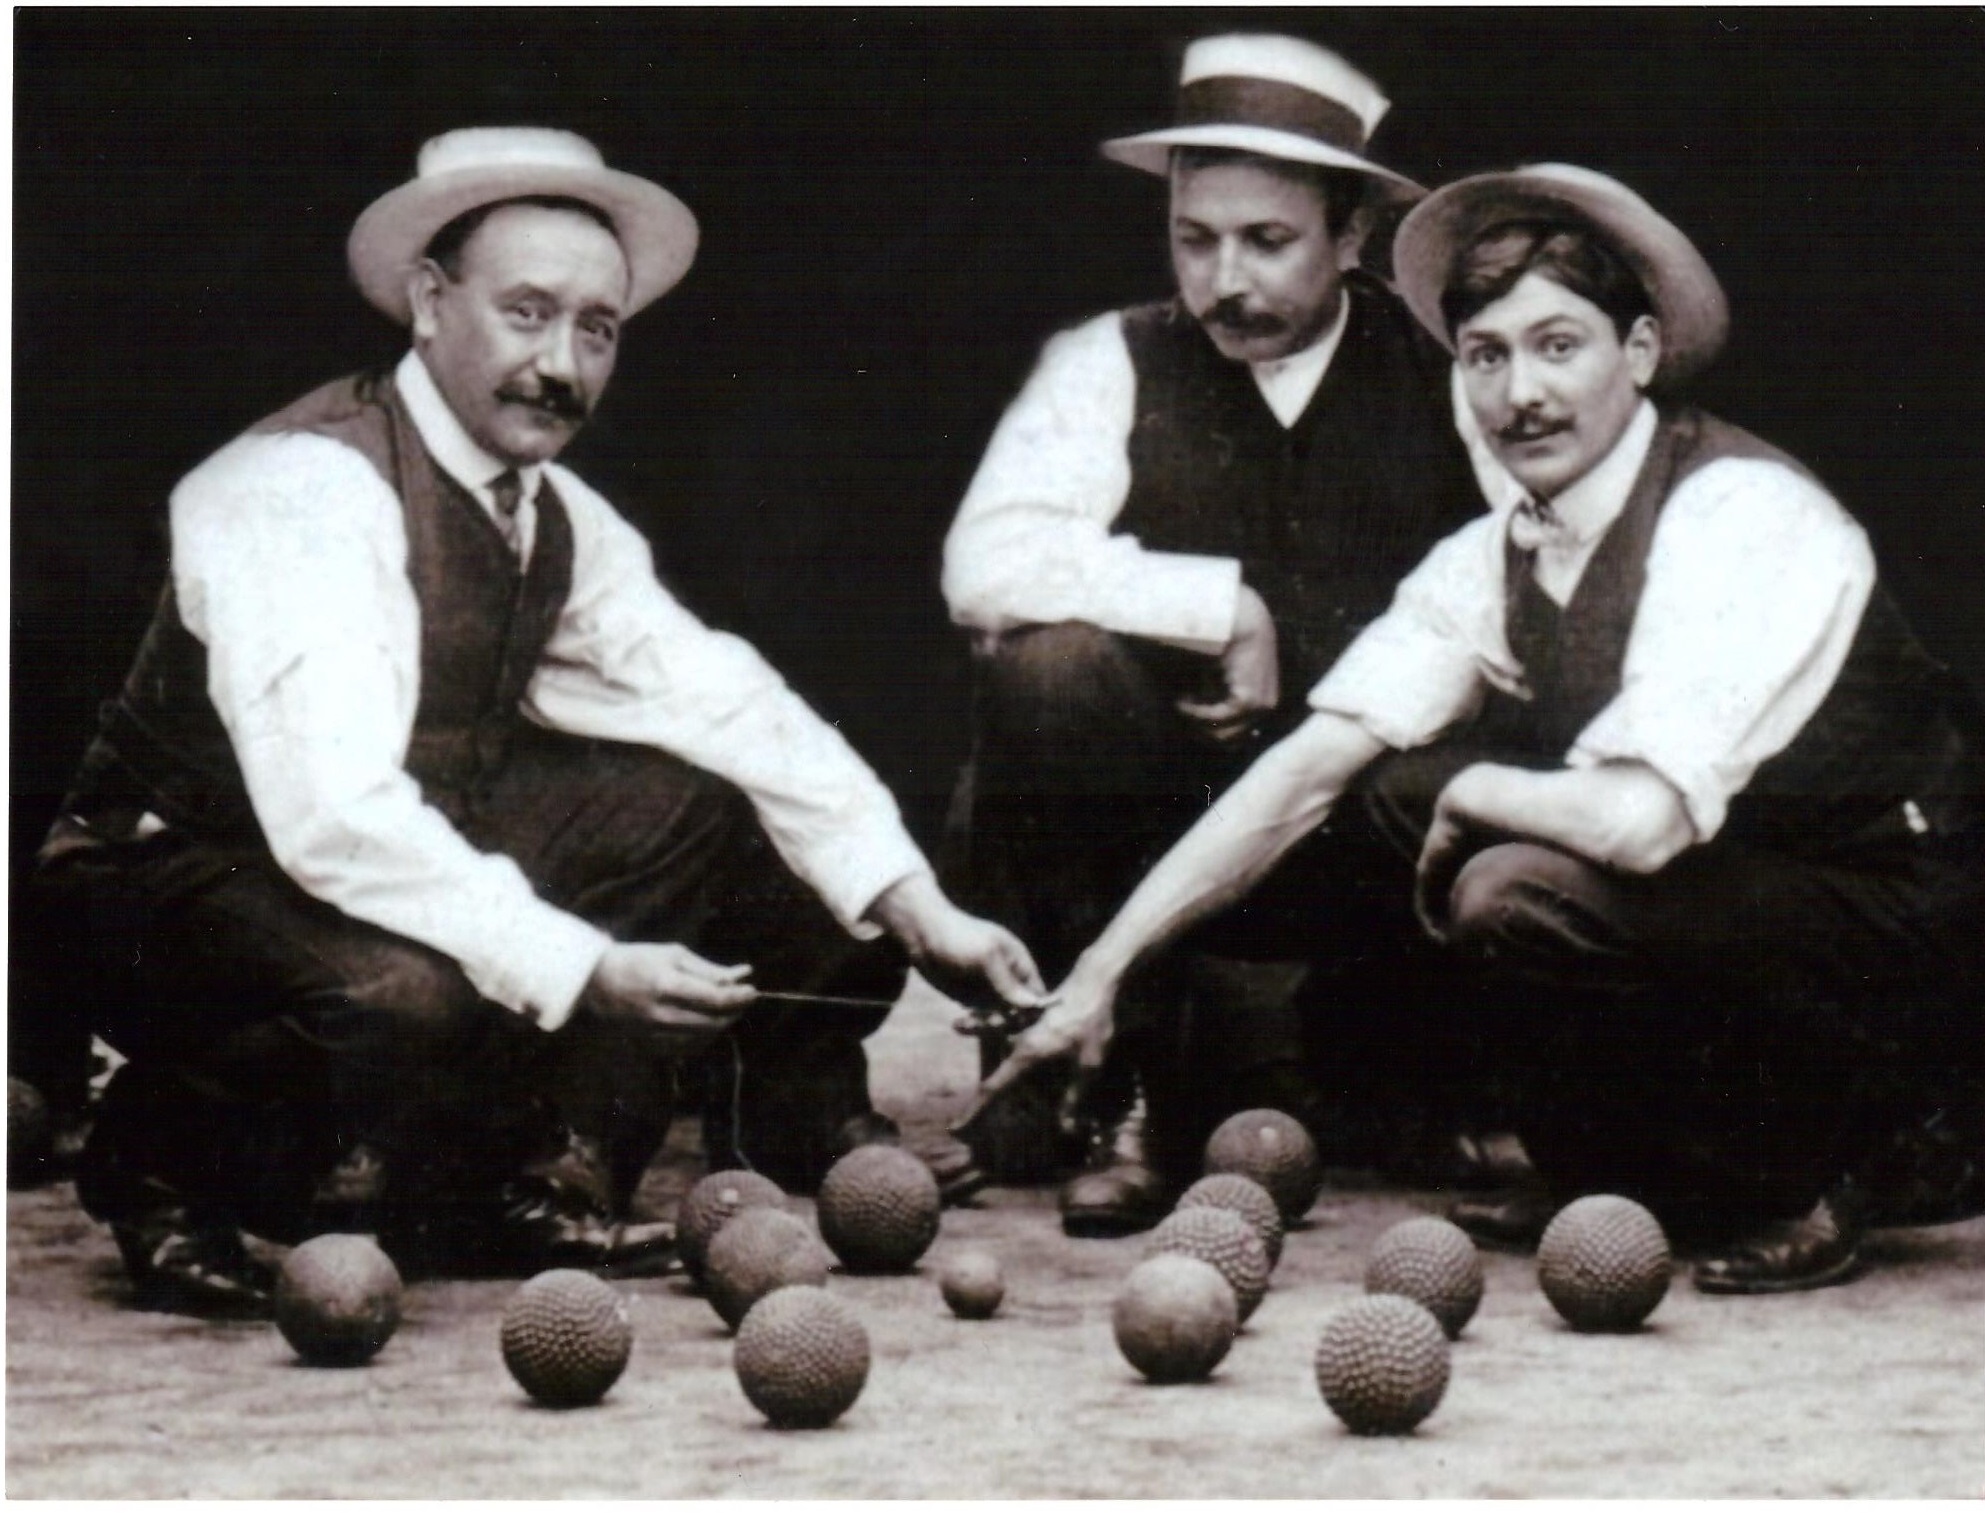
(507, 489)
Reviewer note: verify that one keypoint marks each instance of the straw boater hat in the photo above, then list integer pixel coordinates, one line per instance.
(480, 165)
(1280, 97)
(1687, 299)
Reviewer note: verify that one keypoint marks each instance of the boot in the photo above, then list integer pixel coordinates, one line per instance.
(1121, 1193)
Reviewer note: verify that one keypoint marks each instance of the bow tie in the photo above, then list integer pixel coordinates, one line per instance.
(1535, 524)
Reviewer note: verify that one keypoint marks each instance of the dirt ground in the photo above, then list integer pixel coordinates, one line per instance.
(1863, 1391)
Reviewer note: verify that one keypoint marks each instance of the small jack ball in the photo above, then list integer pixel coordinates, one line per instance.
(972, 1284)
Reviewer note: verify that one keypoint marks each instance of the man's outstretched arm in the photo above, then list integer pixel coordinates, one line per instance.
(1285, 795)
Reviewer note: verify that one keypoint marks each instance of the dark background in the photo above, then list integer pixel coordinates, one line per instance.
(897, 208)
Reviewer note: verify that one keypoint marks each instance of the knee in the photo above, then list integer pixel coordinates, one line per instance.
(1504, 897)
(401, 1002)
(1071, 681)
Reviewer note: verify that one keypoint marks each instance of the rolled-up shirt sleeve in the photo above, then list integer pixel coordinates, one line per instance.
(1756, 583)
(628, 663)
(1032, 543)
(1422, 666)
(289, 562)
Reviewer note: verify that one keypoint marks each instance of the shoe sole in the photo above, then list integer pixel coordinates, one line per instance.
(1105, 1224)
(1844, 1270)
(958, 1190)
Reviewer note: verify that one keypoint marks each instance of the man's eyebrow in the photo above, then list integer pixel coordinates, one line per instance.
(526, 289)
(1543, 323)
(1270, 222)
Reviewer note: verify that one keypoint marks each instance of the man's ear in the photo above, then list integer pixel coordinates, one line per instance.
(1352, 243)
(1643, 349)
(423, 294)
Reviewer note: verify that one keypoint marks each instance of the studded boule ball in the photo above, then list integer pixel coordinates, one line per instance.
(566, 1338)
(878, 1208)
(1223, 1240)
(1246, 1197)
(1435, 1264)
(759, 1250)
(802, 1357)
(338, 1300)
(1604, 1264)
(1274, 1149)
(30, 1128)
(972, 1283)
(1382, 1364)
(1175, 1318)
(711, 1204)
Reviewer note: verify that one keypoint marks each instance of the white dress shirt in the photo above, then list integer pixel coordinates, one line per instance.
(289, 556)
(1756, 582)
(1032, 543)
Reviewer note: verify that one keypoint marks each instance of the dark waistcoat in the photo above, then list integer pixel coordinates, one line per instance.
(1897, 724)
(1326, 516)
(483, 627)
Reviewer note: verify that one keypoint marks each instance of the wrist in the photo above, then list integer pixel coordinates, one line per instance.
(908, 908)
(1101, 966)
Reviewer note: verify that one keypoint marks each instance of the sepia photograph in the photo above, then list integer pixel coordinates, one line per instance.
(1209, 752)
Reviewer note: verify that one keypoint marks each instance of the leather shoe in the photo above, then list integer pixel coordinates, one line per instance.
(1121, 1193)
(1823, 1249)
(351, 1198)
(176, 1266)
(959, 1175)
(1513, 1219)
(951, 1161)
(557, 1214)
(539, 1228)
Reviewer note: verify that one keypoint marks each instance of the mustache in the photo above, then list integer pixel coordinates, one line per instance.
(551, 396)
(1232, 314)
(1531, 428)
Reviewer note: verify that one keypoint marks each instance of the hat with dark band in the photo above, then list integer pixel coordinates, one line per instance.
(461, 171)
(1688, 301)
(1277, 97)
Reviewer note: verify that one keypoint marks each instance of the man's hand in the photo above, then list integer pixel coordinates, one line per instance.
(1442, 856)
(1623, 815)
(668, 988)
(1252, 670)
(943, 938)
(1080, 1021)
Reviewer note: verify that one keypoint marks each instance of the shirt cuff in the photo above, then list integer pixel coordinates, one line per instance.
(547, 961)
(1403, 690)
(1189, 601)
(867, 869)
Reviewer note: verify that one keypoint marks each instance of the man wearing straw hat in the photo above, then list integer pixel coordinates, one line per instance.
(428, 828)
(1672, 770)
(1189, 511)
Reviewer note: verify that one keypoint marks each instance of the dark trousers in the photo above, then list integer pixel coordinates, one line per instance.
(267, 1031)
(1727, 1037)
(1083, 775)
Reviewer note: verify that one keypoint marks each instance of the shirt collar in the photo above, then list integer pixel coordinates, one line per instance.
(447, 442)
(1594, 502)
(1289, 383)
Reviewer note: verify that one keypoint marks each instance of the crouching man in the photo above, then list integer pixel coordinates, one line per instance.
(1660, 758)
(428, 830)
